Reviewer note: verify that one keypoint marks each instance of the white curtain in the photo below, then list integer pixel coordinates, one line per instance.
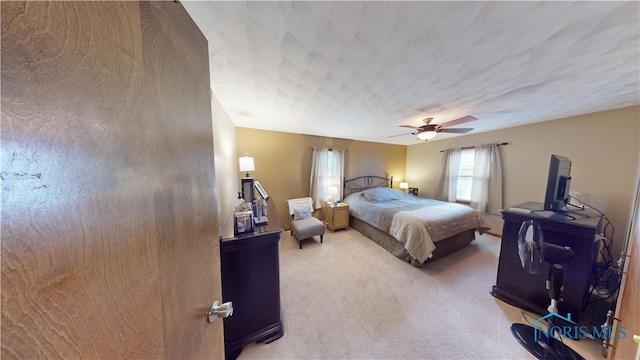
(448, 182)
(486, 189)
(327, 175)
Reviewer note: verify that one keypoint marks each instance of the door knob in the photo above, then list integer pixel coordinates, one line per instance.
(225, 310)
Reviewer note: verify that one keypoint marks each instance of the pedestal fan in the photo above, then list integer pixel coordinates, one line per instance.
(533, 251)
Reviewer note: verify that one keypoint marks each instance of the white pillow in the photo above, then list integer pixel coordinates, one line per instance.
(380, 194)
(301, 213)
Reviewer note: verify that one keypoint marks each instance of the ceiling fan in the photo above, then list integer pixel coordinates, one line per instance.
(428, 131)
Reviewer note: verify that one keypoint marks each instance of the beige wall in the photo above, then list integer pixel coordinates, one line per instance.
(226, 166)
(604, 148)
(283, 161)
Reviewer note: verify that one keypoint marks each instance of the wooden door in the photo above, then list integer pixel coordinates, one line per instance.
(109, 227)
(628, 306)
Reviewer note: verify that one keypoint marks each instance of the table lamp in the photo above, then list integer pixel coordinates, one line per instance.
(404, 186)
(246, 164)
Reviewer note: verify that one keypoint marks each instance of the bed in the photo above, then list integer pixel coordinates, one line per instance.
(414, 229)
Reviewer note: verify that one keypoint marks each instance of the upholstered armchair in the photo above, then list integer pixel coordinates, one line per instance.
(303, 224)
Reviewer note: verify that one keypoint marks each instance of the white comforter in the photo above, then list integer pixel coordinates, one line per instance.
(416, 222)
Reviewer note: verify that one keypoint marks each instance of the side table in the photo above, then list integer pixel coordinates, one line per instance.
(337, 216)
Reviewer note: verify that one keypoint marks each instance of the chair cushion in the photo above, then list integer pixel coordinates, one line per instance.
(306, 228)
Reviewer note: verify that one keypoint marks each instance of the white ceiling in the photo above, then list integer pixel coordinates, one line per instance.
(358, 70)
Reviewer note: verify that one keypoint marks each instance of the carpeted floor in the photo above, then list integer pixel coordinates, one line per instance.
(350, 299)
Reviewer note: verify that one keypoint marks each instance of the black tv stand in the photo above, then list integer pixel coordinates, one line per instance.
(527, 291)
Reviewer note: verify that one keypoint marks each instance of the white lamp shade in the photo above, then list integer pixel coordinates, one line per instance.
(333, 190)
(427, 135)
(246, 163)
(404, 185)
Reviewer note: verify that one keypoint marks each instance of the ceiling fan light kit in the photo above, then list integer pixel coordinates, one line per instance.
(427, 135)
(428, 131)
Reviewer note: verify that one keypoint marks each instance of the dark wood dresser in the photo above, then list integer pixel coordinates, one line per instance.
(517, 287)
(251, 281)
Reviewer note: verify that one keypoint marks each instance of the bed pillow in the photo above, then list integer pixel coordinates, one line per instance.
(379, 194)
(301, 213)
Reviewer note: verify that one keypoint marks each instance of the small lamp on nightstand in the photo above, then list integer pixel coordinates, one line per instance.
(404, 186)
(333, 191)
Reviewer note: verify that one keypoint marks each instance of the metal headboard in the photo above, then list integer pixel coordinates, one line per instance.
(366, 182)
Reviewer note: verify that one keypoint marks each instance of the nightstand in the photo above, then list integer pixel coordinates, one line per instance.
(337, 216)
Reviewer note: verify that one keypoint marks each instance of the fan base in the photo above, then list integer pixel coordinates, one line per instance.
(541, 348)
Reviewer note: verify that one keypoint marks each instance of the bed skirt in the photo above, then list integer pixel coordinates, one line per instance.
(444, 247)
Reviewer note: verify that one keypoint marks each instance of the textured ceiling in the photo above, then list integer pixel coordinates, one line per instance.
(358, 70)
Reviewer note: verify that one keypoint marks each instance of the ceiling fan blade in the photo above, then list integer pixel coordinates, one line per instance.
(410, 126)
(412, 133)
(457, 130)
(458, 121)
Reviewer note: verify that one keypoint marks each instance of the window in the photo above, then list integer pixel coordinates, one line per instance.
(472, 176)
(329, 190)
(465, 175)
(327, 173)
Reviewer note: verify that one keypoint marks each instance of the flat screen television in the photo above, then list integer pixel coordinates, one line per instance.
(558, 183)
